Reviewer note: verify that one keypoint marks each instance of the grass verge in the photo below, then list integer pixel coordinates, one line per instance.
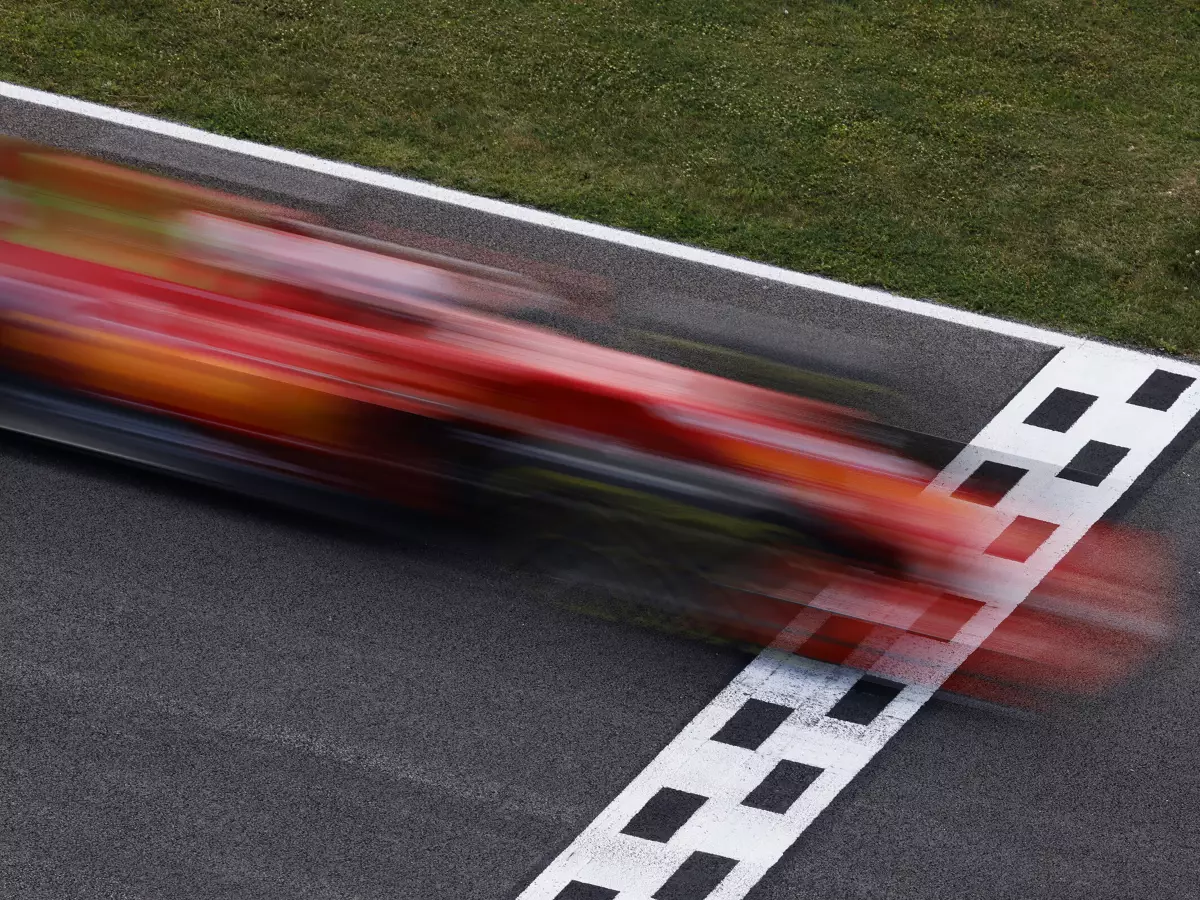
(1026, 158)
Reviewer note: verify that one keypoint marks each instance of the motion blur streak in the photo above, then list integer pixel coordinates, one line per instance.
(255, 348)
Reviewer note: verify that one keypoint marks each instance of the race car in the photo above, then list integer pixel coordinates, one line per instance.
(379, 375)
(249, 347)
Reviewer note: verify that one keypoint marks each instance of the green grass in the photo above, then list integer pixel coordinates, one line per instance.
(1038, 160)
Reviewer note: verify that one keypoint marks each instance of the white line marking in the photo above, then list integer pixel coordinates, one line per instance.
(754, 839)
(428, 191)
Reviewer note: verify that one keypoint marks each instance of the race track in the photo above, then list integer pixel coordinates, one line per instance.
(212, 698)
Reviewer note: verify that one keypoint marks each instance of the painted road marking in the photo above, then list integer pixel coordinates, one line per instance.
(412, 187)
(751, 772)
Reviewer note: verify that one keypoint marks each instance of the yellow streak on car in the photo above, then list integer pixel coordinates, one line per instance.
(205, 386)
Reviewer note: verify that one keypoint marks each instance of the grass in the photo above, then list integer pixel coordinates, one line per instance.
(1026, 158)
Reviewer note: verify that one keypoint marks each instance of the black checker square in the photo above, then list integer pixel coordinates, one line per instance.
(1093, 463)
(1060, 410)
(1021, 539)
(945, 617)
(865, 700)
(578, 890)
(836, 639)
(782, 787)
(1161, 390)
(663, 815)
(988, 484)
(700, 875)
(752, 724)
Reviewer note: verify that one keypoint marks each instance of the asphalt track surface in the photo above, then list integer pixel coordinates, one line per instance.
(205, 697)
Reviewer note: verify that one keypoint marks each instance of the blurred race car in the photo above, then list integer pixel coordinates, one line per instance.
(299, 356)
(246, 346)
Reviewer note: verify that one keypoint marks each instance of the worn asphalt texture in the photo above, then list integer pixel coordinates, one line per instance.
(205, 697)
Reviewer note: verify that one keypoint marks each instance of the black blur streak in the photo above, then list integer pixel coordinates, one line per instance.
(412, 526)
(927, 449)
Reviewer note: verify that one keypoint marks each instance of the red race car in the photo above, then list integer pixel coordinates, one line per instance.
(241, 345)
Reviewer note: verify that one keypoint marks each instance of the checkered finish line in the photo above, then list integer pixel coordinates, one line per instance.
(726, 798)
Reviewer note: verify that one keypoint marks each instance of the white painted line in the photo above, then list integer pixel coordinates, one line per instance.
(428, 191)
(753, 840)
